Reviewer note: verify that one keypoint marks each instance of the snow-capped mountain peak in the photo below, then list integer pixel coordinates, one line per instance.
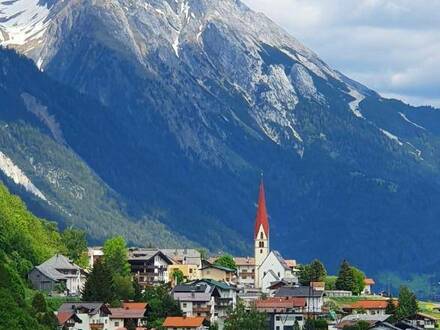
(23, 21)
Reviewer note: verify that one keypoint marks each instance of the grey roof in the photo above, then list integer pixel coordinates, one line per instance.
(275, 276)
(147, 254)
(91, 308)
(281, 259)
(191, 255)
(194, 292)
(365, 317)
(300, 291)
(58, 262)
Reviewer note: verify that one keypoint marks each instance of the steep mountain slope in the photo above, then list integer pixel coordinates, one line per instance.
(206, 94)
(40, 122)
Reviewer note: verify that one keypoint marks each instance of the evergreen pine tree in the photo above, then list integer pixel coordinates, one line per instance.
(407, 303)
(99, 284)
(346, 280)
(391, 307)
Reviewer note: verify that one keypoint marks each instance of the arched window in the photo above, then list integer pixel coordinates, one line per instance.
(261, 251)
(261, 235)
(261, 244)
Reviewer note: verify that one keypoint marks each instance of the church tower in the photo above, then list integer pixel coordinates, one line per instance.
(261, 234)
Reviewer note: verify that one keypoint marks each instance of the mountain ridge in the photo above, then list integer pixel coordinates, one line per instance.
(207, 94)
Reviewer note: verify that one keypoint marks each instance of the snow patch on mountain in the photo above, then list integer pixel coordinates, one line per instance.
(354, 105)
(391, 136)
(411, 122)
(13, 172)
(22, 21)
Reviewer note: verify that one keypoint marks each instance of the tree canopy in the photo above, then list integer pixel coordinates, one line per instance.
(313, 272)
(227, 261)
(116, 256)
(350, 279)
(240, 319)
(407, 303)
(76, 244)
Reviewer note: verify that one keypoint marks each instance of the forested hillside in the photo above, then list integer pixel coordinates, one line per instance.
(25, 241)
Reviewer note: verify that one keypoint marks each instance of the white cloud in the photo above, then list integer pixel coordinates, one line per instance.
(392, 46)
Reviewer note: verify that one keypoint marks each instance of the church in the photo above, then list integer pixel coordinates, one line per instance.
(270, 267)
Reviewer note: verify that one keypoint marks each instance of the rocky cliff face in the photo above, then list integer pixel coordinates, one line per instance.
(206, 94)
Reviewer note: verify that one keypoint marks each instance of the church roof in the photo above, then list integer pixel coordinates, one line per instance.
(261, 218)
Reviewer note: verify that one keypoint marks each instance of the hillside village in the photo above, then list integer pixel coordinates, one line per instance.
(187, 289)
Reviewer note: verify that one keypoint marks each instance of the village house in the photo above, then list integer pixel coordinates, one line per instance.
(314, 298)
(283, 311)
(369, 307)
(67, 320)
(190, 272)
(57, 274)
(92, 316)
(129, 315)
(227, 299)
(149, 266)
(185, 323)
(423, 321)
(245, 271)
(94, 253)
(218, 273)
(197, 299)
(184, 256)
(368, 288)
(375, 321)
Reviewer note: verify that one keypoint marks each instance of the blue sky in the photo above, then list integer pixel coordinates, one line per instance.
(392, 46)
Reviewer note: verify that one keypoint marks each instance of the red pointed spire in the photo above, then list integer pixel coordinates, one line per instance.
(262, 218)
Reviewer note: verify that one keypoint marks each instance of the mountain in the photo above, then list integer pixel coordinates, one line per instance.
(195, 98)
(41, 122)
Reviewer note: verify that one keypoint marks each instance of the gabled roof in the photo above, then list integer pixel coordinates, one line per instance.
(369, 304)
(58, 262)
(91, 308)
(134, 305)
(228, 270)
(281, 260)
(355, 318)
(369, 281)
(261, 217)
(214, 283)
(280, 303)
(148, 254)
(299, 291)
(244, 261)
(183, 322)
(122, 313)
(63, 317)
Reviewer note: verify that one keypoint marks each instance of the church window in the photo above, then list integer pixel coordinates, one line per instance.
(261, 251)
(261, 244)
(261, 235)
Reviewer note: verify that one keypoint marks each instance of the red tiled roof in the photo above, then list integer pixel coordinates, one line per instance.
(261, 218)
(369, 281)
(183, 322)
(280, 302)
(63, 317)
(134, 305)
(369, 304)
(291, 263)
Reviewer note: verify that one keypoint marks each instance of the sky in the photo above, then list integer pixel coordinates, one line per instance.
(391, 46)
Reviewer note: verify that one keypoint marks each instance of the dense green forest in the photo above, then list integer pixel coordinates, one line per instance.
(25, 241)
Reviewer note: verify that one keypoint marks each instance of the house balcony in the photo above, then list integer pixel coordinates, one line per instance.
(96, 326)
(201, 310)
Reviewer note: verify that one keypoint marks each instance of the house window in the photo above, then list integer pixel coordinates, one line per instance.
(184, 305)
(117, 324)
(243, 277)
(190, 270)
